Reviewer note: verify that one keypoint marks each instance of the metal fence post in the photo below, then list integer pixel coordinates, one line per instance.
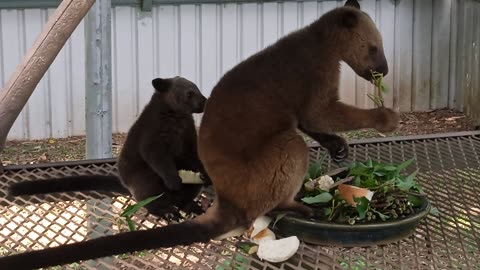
(98, 87)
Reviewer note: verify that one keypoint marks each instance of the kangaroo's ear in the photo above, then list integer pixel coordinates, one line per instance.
(160, 84)
(353, 3)
(349, 18)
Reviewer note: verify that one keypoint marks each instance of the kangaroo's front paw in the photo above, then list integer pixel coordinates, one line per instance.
(337, 148)
(386, 119)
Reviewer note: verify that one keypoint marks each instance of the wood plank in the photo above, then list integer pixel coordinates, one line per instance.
(403, 55)
(422, 55)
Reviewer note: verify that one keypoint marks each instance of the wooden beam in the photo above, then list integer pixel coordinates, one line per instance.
(37, 60)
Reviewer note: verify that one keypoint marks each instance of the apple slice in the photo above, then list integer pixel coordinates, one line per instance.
(348, 192)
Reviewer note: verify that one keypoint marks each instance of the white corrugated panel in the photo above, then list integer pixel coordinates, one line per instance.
(203, 41)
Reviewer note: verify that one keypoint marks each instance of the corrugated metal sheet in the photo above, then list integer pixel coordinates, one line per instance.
(202, 41)
(468, 61)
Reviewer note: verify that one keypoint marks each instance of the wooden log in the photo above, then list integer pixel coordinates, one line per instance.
(37, 60)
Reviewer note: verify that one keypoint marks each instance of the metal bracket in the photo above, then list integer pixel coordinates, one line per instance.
(146, 5)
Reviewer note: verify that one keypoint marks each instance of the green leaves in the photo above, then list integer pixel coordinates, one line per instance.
(404, 165)
(278, 217)
(362, 206)
(407, 183)
(131, 209)
(320, 198)
(380, 88)
(415, 200)
(315, 170)
(396, 195)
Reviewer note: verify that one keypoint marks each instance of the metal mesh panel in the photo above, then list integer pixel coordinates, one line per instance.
(449, 173)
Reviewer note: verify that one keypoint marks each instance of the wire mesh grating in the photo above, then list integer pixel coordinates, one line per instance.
(448, 172)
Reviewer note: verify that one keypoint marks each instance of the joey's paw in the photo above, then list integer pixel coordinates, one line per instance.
(387, 120)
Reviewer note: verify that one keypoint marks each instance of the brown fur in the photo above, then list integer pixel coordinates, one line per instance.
(248, 141)
(162, 141)
(247, 138)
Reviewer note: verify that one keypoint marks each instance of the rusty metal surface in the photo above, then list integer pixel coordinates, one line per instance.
(449, 173)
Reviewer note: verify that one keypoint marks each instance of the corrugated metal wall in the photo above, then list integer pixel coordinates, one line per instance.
(468, 57)
(203, 41)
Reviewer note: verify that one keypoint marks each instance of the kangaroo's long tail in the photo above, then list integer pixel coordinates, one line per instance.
(210, 226)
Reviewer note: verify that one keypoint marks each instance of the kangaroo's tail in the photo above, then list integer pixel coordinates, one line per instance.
(69, 183)
(202, 229)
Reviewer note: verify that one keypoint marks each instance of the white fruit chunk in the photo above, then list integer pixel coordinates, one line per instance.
(278, 250)
(189, 177)
(324, 182)
(266, 234)
(259, 225)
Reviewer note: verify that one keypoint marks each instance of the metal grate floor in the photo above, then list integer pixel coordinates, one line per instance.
(449, 173)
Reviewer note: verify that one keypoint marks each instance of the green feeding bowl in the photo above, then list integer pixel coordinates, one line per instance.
(357, 235)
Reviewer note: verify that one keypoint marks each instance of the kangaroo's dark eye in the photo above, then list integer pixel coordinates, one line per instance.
(189, 94)
(372, 50)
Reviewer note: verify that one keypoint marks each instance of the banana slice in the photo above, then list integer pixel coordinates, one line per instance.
(190, 177)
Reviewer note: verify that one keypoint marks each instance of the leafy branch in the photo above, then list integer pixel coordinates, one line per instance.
(132, 209)
(380, 89)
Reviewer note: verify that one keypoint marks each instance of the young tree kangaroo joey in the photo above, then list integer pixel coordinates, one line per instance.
(162, 141)
(248, 140)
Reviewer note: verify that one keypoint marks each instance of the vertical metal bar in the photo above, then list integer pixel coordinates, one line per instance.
(98, 83)
(98, 87)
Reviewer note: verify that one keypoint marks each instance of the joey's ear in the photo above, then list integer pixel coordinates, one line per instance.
(349, 19)
(161, 84)
(353, 3)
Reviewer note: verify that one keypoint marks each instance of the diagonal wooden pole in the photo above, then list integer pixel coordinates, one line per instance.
(37, 60)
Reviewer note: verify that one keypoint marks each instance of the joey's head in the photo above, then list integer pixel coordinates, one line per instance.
(180, 94)
(359, 41)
